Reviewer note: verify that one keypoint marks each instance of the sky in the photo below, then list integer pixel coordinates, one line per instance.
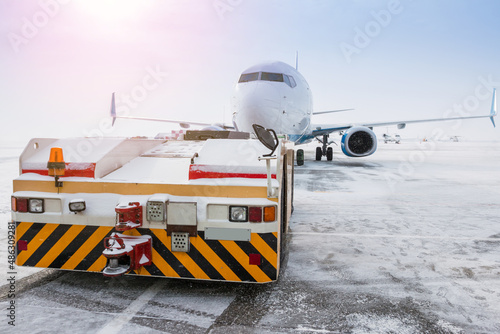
(60, 61)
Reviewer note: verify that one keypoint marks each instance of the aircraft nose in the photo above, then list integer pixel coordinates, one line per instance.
(257, 103)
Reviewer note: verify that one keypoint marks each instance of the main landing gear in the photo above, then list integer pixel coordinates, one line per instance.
(324, 149)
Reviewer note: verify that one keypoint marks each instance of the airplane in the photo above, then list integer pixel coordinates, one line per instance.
(276, 96)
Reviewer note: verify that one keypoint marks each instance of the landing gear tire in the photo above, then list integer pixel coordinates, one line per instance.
(329, 154)
(319, 153)
(300, 157)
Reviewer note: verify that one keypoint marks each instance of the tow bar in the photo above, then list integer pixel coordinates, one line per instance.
(125, 253)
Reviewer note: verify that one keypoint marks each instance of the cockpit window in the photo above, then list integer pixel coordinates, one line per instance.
(271, 76)
(287, 80)
(268, 76)
(249, 77)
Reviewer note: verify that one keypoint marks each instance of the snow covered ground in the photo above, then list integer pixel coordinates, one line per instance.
(415, 222)
(404, 241)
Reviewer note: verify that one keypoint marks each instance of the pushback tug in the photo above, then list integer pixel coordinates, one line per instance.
(204, 207)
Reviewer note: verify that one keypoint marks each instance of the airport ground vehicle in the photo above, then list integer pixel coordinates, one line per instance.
(197, 208)
(390, 139)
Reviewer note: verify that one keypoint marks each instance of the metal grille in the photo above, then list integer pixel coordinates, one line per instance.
(156, 211)
(180, 242)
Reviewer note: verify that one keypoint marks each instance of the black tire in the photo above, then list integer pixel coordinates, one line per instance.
(329, 154)
(300, 157)
(319, 153)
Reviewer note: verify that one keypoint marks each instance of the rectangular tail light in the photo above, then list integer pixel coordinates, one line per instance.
(269, 213)
(19, 204)
(255, 214)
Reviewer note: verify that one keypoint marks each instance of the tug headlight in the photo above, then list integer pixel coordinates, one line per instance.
(238, 213)
(35, 205)
(77, 205)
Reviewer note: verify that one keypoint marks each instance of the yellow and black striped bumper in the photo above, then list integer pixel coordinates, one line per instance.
(80, 247)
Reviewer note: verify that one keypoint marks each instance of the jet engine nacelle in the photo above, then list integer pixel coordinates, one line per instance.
(359, 141)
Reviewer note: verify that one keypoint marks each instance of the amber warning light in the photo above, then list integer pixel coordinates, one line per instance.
(56, 164)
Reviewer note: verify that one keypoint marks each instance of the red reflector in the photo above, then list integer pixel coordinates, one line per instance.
(255, 214)
(22, 245)
(22, 204)
(254, 259)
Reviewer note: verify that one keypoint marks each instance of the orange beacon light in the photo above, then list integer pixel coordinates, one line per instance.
(56, 164)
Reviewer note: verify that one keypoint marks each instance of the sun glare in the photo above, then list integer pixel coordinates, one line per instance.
(112, 9)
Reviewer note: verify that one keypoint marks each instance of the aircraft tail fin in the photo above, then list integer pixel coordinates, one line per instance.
(113, 109)
(493, 111)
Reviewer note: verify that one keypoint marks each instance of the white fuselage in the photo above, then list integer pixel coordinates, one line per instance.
(275, 96)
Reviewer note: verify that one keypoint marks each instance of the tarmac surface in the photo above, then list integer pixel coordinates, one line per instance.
(404, 241)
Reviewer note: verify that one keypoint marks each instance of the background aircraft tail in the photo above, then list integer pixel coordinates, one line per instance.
(493, 111)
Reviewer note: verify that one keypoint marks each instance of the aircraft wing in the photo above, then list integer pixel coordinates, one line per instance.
(182, 124)
(330, 111)
(323, 129)
(326, 129)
